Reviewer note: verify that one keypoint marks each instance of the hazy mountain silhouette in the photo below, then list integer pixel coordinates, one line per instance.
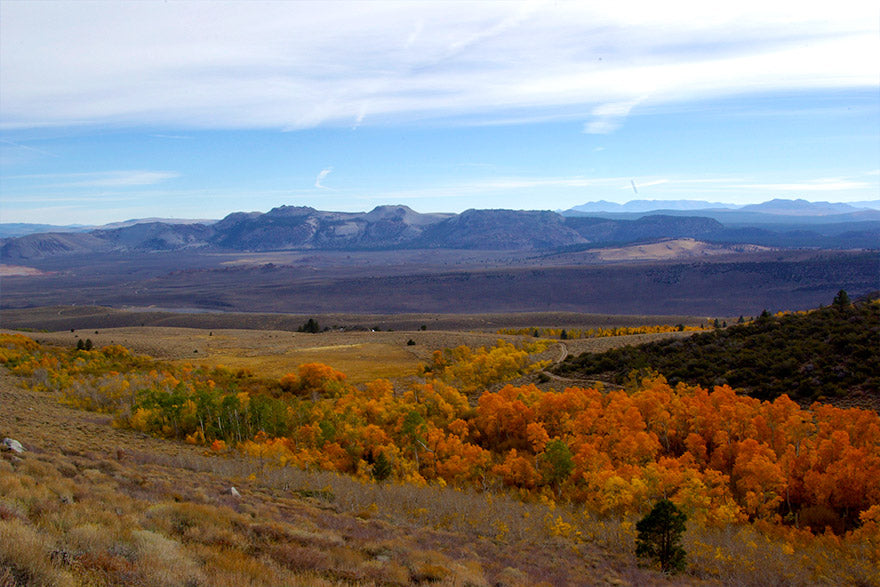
(779, 223)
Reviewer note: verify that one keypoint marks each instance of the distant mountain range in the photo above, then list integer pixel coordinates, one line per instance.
(777, 206)
(638, 206)
(805, 208)
(13, 229)
(779, 223)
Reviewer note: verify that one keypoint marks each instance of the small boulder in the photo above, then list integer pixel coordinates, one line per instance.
(13, 445)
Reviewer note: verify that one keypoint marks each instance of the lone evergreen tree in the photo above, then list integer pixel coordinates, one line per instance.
(381, 468)
(659, 536)
(310, 326)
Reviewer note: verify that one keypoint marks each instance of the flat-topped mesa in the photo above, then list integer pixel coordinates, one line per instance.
(391, 211)
(291, 211)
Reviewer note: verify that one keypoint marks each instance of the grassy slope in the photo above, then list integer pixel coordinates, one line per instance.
(362, 356)
(111, 504)
(90, 504)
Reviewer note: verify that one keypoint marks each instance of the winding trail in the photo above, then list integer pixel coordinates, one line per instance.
(563, 354)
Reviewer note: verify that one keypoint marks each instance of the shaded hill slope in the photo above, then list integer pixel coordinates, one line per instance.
(831, 351)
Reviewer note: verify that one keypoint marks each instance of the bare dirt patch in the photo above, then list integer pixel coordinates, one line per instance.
(684, 248)
(18, 270)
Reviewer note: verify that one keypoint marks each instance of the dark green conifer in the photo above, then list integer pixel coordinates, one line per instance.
(310, 326)
(659, 536)
(381, 468)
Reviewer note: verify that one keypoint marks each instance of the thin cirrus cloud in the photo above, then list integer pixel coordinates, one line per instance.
(322, 175)
(106, 179)
(609, 117)
(819, 185)
(294, 65)
(734, 186)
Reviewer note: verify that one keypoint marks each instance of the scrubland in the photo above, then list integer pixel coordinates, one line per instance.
(488, 485)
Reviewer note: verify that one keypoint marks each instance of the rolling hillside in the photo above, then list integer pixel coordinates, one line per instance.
(830, 352)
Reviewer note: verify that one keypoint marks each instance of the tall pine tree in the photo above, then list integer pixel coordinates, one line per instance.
(659, 536)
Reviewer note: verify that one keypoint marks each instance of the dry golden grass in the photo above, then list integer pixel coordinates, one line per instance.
(365, 361)
(682, 248)
(89, 504)
(362, 356)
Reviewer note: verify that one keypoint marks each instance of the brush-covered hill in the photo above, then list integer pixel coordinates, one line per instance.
(830, 352)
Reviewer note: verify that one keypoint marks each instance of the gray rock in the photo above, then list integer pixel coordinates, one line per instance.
(13, 445)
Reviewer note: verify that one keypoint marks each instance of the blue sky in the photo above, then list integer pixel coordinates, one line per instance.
(111, 110)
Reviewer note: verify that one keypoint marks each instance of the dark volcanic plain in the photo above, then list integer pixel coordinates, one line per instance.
(444, 281)
(392, 260)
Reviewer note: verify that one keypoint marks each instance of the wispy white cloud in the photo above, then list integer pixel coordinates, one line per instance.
(26, 148)
(512, 183)
(818, 185)
(109, 179)
(415, 34)
(294, 65)
(322, 175)
(128, 178)
(579, 189)
(644, 184)
(609, 117)
(359, 120)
